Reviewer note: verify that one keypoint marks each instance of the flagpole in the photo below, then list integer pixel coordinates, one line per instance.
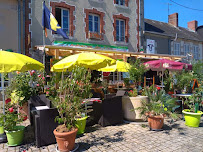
(43, 40)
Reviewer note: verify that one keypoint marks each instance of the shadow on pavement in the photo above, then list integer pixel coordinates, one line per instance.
(101, 141)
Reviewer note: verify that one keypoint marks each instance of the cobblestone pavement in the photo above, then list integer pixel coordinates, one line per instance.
(129, 137)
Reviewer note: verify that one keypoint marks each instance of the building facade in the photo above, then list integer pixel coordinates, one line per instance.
(104, 22)
(169, 38)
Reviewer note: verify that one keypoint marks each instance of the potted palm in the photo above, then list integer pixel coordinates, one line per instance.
(159, 106)
(72, 92)
(193, 115)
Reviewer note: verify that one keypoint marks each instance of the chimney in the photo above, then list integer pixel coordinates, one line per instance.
(192, 25)
(173, 19)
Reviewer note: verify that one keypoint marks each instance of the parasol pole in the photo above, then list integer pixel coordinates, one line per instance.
(2, 86)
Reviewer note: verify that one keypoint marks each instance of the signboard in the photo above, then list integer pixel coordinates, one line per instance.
(150, 46)
(89, 45)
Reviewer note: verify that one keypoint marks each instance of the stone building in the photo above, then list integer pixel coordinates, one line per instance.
(169, 38)
(103, 22)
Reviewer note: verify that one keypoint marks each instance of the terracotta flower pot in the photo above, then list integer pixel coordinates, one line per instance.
(156, 122)
(66, 140)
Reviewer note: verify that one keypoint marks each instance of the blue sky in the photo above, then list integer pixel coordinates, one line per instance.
(158, 10)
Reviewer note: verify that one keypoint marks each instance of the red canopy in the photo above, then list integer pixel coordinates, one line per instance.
(159, 65)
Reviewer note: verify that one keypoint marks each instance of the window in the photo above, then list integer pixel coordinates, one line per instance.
(120, 2)
(62, 16)
(94, 21)
(195, 52)
(176, 48)
(120, 30)
(94, 25)
(186, 49)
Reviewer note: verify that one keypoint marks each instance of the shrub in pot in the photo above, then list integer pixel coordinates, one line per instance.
(160, 105)
(70, 95)
(12, 119)
(193, 115)
(132, 101)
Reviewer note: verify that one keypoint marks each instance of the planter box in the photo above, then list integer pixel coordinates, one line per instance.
(129, 103)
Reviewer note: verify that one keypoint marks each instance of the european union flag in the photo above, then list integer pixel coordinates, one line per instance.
(49, 22)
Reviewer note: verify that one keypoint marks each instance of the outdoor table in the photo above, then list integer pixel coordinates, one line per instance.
(182, 96)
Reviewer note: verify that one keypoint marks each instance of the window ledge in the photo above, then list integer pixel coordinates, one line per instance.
(95, 40)
(121, 43)
(121, 6)
(59, 36)
(99, 1)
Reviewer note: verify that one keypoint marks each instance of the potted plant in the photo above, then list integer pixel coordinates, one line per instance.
(159, 106)
(182, 81)
(193, 115)
(72, 92)
(11, 120)
(133, 100)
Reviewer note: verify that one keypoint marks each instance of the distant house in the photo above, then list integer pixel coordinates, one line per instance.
(169, 38)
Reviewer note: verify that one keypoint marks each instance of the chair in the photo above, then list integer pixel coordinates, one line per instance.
(43, 120)
(109, 112)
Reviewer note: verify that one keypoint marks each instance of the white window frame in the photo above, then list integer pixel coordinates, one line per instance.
(186, 48)
(120, 36)
(68, 19)
(176, 51)
(62, 25)
(93, 23)
(195, 51)
(119, 2)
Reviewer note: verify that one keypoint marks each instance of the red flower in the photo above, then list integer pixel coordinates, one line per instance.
(158, 88)
(25, 118)
(39, 75)
(47, 88)
(10, 109)
(43, 78)
(21, 108)
(8, 100)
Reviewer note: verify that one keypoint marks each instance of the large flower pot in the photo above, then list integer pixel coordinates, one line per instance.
(130, 103)
(1, 129)
(65, 140)
(156, 122)
(81, 124)
(192, 119)
(15, 138)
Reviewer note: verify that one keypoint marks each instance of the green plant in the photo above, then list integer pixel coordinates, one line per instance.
(137, 70)
(25, 84)
(183, 80)
(197, 68)
(195, 99)
(11, 117)
(168, 82)
(72, 92)
(20, 85)
(159, 104)
(132, 93)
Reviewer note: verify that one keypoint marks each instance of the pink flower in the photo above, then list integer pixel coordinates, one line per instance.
(43, 78)
(39, 75)
(47, 75)
(47, 92)
(33, 71)
(38, 85)
(8, 100)
(10, 109)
